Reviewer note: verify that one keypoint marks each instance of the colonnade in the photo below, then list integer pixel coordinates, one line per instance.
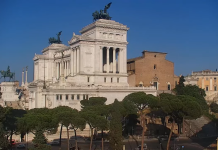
(66, 68)
(112, 60)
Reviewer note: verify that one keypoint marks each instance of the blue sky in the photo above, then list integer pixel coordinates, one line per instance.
(186, 29)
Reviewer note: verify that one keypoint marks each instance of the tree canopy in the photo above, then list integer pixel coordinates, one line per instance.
(179, 106)
(214, 107)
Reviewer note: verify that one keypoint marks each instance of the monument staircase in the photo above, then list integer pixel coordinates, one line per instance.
(201, 127)
(212, 97)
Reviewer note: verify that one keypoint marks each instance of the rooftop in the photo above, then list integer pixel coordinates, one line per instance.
(146, 51)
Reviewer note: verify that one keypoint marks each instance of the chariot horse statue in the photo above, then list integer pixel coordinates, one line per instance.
(8, 73)
(102, 14)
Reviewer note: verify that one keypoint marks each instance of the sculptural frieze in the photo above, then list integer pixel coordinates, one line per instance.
(102, 14)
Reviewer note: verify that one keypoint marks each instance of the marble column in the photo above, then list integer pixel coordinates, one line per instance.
(100, 59)
(124, 60)
(108, 48)
(59, 67)
(121, 60)
(26, 78)
(202, 83)
(118, 60)
(211, 84)
(77, 60)
(22, 78)
(62, 68)
(66, 68)
(114, 60)
(71, 63)
(74, 61)
(56, 70)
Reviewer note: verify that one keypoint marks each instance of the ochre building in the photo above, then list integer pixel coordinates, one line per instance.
(207, 80)
(152, 68)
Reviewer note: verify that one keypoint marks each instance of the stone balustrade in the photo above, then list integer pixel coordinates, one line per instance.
(105, 88)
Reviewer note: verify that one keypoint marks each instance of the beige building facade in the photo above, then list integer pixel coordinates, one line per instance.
(207, 80)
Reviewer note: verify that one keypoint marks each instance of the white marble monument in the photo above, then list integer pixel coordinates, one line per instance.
(94, 64)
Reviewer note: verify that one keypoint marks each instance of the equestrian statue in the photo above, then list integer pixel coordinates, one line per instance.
(102, 14)
(54, 40)
(8, 73)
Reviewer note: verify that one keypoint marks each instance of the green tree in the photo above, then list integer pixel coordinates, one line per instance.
(93, 101)
(115, 133)
(179, 87)
(177, 107)
(214, 107)
(66, 118)
(91, 112)
(38, 119)
(196, 92)
(4, 142)
(56, 111)
(11, 120)
(144, 104)
(77, 122)
(39, 137)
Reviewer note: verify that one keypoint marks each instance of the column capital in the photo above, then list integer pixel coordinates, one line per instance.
(78, 47)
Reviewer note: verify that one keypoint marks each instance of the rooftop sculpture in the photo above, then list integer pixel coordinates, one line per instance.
(7, 73)
(102, 14)
(54, 40)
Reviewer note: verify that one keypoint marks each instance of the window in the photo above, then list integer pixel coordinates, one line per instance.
(118, 80)
(78, 97)
(111, 80)
(87, 96)
(155, 66)
(60, 97)
(84, 96)
(57, 97)
(88, 79)
(168, 87)
(215, 88)
(66, 97)
(206, 78)
(155, 56)
(72, 97)
(214, 79)
(104, 79)
(206, 88)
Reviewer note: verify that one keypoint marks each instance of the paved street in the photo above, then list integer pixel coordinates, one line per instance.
(153, 144)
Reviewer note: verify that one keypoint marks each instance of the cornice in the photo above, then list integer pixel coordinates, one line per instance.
(102, 23)
(99, 41)
(55, 47)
